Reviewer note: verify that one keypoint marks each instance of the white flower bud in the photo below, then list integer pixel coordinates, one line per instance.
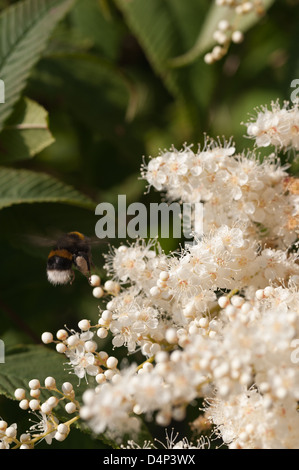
(102, 333)
(35, 393)
(84, 325)
(34, 384)
(62, 335)
(112, 362)
(46, 408)
(3, 425)
(24, 404)
(223, 301)
(19, 394)
(52, 401)
(34, 405)
(164, 276)
(171, 335)
(70, 407)
(67, 388)
(90, 346)
(155, 291)
(47, 337)
(237, 37)
(72, 340)
(94, 280)
(50, 382)
(11, 432)
(59, 437)
(63, 428)
(61, 348)
(106, 315)
(100, 378)
(98, 292)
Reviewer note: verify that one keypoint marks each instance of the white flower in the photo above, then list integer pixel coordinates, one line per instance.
(45, 426)
(83, 362)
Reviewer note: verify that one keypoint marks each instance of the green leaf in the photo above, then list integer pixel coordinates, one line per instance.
(24, 31)
(152, 23)
(30, 362)
(25, 186)
(205, 39)
(26, 132)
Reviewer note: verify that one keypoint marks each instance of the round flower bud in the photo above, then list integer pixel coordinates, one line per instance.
(203, 322)
(3, 425)
(94, 280)
(61, 348)
(112, 362)
(171, 336)
(24, 404)
(62, 335)
(52, 401)
(98, 292)
(223, 25)
(20, 394)
(35, 393)
(59, 437)
(155, 291)
(164, 276)
(34, 405)
(109, 373)
(47, 337)
(106, 315)
(67, 388)
(103, 355)
(237, 37)
(34, 384)
(25, 438)
(63, 428)
(11, 431)
(223, 301)
(84, 325)
(46, 408)
(100, 378)
(102, 333)
(70, 407)
(90, 346)
(50, 382)
(72, 340)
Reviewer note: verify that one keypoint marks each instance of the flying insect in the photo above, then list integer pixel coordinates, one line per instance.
(72, 251)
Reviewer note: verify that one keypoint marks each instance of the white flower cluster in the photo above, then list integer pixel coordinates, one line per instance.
(236, 190)
(81, 350)
(216, 321)
(226, 32)
(46, 426)
(278, 126)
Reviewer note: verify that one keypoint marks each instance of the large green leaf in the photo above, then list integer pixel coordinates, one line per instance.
(26, 132)
(38, 362)
(24, 31)
(152, 23)
(25, 186)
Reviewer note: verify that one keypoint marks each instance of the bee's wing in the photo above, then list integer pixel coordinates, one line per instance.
(39, 240)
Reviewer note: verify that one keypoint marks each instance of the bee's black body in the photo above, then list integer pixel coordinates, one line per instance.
(71, 250)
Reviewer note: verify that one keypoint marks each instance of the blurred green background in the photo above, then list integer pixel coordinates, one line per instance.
(112, 97)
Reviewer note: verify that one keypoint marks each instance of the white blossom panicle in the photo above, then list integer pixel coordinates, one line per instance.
(216, 320)
(46, 425)
(278, 126)
(235, 189)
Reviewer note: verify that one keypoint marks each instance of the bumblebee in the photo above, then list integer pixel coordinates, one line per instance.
(72, 250)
